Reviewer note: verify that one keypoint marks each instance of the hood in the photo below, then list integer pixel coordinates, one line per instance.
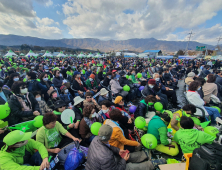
(143, 101)
(111, 123)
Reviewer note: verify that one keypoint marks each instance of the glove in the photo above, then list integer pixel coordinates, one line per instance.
(169, 140)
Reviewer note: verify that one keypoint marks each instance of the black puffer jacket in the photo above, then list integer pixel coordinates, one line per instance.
(17, 114)
(78, 114)
(102, 157)
(124, 81)
(141, 110)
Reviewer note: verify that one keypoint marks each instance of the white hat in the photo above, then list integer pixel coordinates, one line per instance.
(78, 100)
(103, 91)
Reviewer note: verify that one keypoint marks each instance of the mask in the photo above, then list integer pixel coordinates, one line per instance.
(88, 69)
(66, 91)
(109, 77)
(157, 79)
(151, 86)
(16, 79)
(124, 76)
(199, 88)
(104, 111)
(4, 68)
(60, 75)
(46, 70)
(38, 98)
(54, 95)
(79, 75)
(93, 115)
(24, 91)
(32, 67)
(90, 79)
(45, 79)
(117, 79)
(185, 114)
(150, 103)
(107, 95)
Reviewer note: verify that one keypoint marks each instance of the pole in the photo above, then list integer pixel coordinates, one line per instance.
(188, 41)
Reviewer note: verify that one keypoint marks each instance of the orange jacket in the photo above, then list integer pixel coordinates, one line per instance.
(118, 139)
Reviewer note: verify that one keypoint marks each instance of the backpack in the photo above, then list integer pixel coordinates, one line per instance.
(207, 157)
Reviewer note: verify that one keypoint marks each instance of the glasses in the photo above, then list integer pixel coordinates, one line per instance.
(88, 97)
(62, 107)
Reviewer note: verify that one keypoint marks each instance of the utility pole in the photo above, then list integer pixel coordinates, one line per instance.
(188, 40)
(219, 40)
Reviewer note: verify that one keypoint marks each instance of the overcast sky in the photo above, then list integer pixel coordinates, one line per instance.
(113, 19)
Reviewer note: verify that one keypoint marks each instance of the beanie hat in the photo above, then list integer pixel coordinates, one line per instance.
(92, 76)
(191, 74)
(118, 99)
(152, 81)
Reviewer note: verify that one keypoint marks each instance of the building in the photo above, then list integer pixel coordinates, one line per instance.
(150, 53)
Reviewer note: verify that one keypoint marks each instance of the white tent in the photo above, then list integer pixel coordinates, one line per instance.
(61, 54)
(98, 55)
(10, 53)
(81, 55)
(47, 54)
(31, 53)
(22, 54)
(90, 55)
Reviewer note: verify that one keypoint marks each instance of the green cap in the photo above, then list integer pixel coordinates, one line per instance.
(16, 136)
(21, 66)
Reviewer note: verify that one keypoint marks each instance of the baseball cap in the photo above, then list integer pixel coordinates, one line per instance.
(105, 132)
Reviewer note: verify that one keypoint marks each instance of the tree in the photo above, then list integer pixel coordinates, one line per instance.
(180, 52)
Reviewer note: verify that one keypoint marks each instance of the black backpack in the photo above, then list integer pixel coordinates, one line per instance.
(207, 157)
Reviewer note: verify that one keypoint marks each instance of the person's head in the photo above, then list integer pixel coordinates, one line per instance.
(105, 104)
(78, 101)
(56, 73)
(41, 67)
(109, 75)
(133, 72)
(194, 86)
(60, 106)
(105, 133)
(64, 89)
(211, 78)
(165, 117)
(49, 120)
(104, 93)
(189, 109)
(115, 115)
(88, 96)
(43, 77)
(37, 95)
(31, 75)
(191, 74)
(186, 122)
(88, 111)
(91, 77)
(119, 100)
(218, 72)
(201, 81)
(156, 76)
(150, 99)
(76, 74)
(19, 87)
(151, 83)
(52, 93)
(14, 77)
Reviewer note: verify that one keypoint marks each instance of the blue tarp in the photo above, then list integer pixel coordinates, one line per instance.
(186, 57)
(151, 51)
(164, 57)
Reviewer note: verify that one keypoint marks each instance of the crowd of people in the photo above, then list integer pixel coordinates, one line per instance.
(95, 90)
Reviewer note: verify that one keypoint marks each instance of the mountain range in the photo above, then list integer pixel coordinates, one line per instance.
(138, 45)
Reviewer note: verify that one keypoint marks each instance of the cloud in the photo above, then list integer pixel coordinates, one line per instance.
(45, 2)
(153, 18)
(45, 21)
(58, 12)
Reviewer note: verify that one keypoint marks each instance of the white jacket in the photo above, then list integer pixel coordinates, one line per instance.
(195, 99)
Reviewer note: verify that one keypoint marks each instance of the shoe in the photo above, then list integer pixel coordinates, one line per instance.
(157, 162)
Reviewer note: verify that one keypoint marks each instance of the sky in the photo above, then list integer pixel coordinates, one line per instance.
(169, 20)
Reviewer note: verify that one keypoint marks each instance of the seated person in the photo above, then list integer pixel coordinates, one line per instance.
(106, 155)
(77, 108)
(119, 104)
(23, 105)
(104, 95)
(78, 84)
(116, 87)
(89, 117)
(152, 89)
(107, 79)
(189, 138)
(90, 100)
(65, 95)
(189, 78)
(194, 98)
(202, 81)
(19, 150)
(133, 77)
(53, 97)
(92, 84)
(187, 110)
(106, 106)
(4, 94)
(118, 138)
(143, 106)
(158, 128)
(50, 134)
(42, 104)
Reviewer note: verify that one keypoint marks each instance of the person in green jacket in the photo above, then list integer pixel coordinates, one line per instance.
(157, 127)
(50, 134)
(133, 76)
(92, 84)
(189, 138)
(19, 152)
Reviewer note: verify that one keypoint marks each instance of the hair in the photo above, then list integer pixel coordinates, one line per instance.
(106, 103)
(42, 75)
(115, 114)
(190, 107)
(217, 71)
(54, 72)
(88, 94)
(186, 122)
(150, 98)
(35, 93)
(200, 80)
(108, 74)
(48, 118)
(196, 72)
(87, 110)
(16, 86)
(155, 74)
(32, 75)
(211, 78)
(164, 116)
(1, 84)
(194, 85)
(12, 75)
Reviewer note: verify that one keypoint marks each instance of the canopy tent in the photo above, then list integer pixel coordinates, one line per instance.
(90, 55)
(187, 57)
(164, 57)
(31, 53)
(216, 57)
(98, 55)
(22, 54)
(10, 53)
(208, 57)
(75, 55)
(67, 55)
(61, 54)
(130, 55)
(81, 55)
(47, 54)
